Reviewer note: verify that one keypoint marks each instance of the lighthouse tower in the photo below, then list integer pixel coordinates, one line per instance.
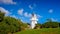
(33, 21)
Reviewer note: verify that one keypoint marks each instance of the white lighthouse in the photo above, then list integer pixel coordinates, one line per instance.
(33, 21)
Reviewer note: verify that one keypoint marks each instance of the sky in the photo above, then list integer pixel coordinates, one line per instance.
(23, 9)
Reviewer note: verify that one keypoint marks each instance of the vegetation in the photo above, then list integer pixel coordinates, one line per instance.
(1, 16)
(50, 24)
(24, 26)
(10, 25)
(41, 31)
(38, 26)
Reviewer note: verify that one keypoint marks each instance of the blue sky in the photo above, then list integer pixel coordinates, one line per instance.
(22, 9)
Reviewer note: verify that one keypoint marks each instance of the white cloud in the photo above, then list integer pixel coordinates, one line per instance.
(30, 7)
(20, 12)
(39, 16)
(14, 16)
(30, 14)
(7, 1)
(5, 11)
(22, 19)
(50, 11)
(54, 19)
(26, 14)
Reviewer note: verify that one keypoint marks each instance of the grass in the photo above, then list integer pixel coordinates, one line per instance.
(41, 31)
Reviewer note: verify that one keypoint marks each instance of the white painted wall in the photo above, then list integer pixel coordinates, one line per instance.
(33, 21)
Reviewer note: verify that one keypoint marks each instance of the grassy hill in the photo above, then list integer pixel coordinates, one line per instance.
(41, 31)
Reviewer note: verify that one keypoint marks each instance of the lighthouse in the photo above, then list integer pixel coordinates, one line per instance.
(33, 21)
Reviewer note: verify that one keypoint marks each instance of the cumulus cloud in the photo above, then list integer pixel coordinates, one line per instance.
(14, 16)
(7, 1)
(50, 11)
(26, 14)
(39, 16)
(20, 12)
(30, 7)
(5, 11)
(54, 19)
(30, 14)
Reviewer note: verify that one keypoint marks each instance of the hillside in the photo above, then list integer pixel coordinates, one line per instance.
(41, 31)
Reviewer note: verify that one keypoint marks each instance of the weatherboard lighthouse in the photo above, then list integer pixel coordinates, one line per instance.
(33, 21)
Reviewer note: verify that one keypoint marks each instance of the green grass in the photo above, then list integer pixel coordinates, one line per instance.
(41, 31)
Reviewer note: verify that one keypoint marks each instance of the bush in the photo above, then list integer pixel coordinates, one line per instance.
(10, 25)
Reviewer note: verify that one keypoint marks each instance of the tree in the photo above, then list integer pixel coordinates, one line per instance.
(10, 25)
(59, 24)
(50, 24)
(38, 25)
(24, 26)
(1, 16)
